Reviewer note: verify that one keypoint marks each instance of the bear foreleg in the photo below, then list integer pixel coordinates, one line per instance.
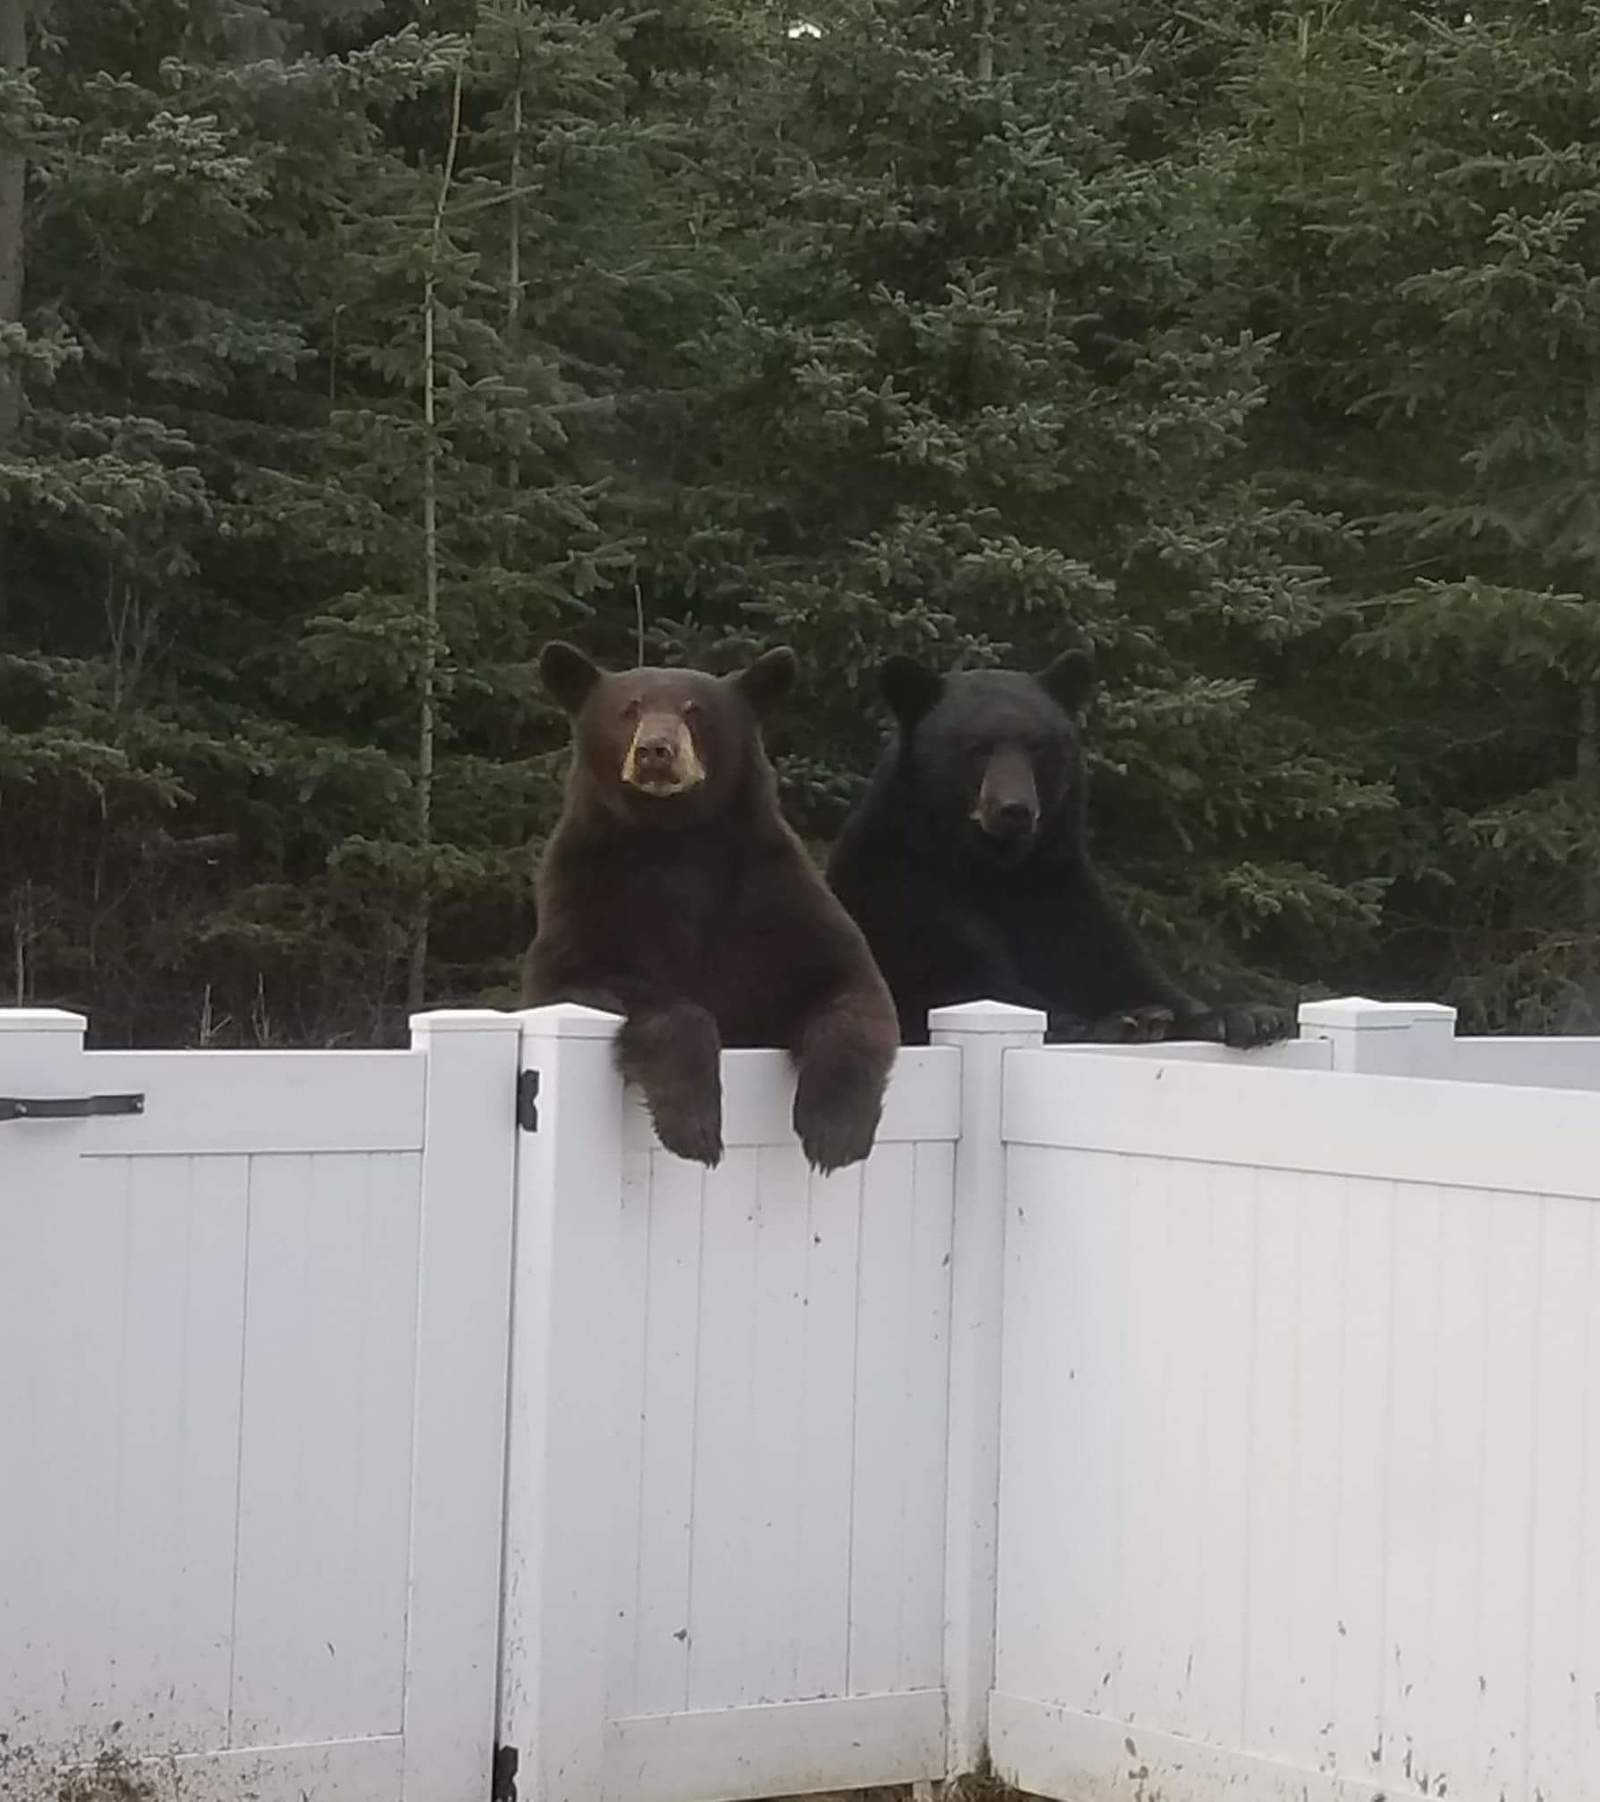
(844, 1052)
(674, 1054)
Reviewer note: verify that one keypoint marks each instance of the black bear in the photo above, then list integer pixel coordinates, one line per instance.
(673, 892)
(967, 866)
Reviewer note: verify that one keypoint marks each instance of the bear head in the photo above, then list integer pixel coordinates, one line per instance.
(993, 758)
(665, 747)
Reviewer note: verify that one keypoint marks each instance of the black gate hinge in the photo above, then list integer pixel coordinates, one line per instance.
(503, 1785)
(68, 1107)
(528, 1101)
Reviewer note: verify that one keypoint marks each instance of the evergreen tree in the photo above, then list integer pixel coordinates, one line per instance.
(973, 388)
(1429, 254)
(344, 358)
(222, 641)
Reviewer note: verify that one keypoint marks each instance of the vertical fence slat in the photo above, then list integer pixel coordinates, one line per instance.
(723, 1548)
(566, 1401)
(459, 1420)
(1366, 1302)
(666, 1504)
(324, 1477)
(983, 1032)
(1453, 1724)
(928, 1395)
(1222, 1330)
(1510, 1368)
(1410, 1544)
(168, 1574)
(1559, 1657)
(885, 1446)
(780, 1596)
(633, 1358)
(826, 1430)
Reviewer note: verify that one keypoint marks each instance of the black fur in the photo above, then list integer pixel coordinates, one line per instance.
(967, 867)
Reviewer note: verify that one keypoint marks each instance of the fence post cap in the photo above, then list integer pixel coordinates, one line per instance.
(568, 1020)
(987, 1016)
(464, 1019)
(41, 1019)
(1357, 1013)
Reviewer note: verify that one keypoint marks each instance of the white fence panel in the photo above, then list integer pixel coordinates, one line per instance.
(1554, 1063)
(1301, 1416)
(726, 1516)
(252, 1377)
(1411, 1038)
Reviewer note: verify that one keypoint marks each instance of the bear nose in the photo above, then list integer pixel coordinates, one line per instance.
(654, 755)
(1013, 818)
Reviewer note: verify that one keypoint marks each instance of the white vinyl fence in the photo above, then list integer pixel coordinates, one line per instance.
(252, 1413)
(1300, 1490)
(1166, 1420)
(726, 1521)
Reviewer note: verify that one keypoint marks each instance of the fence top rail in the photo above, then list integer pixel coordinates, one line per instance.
(1542, 1063)
(1400, 1129)
(205, 1103)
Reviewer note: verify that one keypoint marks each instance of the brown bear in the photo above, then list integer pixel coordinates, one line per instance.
(673, 892)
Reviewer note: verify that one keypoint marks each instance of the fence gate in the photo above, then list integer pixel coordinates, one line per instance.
(751, 1479)
(253, 1316)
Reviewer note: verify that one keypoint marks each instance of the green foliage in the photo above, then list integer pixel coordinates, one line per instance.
(1431, 259)
(1251, 345)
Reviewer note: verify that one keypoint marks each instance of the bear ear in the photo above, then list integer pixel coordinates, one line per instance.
(1069, 680)
(766, 681)
(568, 674)
(909, 688)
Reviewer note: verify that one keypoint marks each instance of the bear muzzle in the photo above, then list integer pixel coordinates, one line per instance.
(661, 758)
(1008, 801)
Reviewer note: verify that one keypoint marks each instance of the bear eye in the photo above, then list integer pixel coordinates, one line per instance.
(632, 710)
(690, 709)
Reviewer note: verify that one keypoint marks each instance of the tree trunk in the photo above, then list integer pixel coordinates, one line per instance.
(514, 248)
(1587, 763)
(416, 988)
(13, 245)
(1588, 773)
(13, 176)
(985, 40)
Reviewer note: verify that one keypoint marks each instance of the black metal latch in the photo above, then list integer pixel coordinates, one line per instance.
(68, 1107)
(528, 1101)
(503, 1781)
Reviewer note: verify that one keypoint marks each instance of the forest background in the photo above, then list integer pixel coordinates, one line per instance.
(350, 350)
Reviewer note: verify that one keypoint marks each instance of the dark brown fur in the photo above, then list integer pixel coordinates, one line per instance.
(695, 912)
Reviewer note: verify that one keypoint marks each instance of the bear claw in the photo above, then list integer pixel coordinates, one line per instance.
(689, 1132)
(833, 1137)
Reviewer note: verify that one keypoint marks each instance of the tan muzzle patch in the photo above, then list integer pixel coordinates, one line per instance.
(661, 757)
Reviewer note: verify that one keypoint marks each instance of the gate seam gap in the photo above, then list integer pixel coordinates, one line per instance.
(238, 1455)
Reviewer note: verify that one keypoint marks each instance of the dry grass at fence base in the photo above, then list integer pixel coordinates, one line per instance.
(975, 1787)
(107, 1776)
(111, 1776)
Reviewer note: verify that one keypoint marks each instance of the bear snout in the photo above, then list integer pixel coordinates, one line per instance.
(1008, 801)
(661, 758)
(1009, 820)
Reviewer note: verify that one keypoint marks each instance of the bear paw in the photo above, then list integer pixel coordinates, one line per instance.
(690, 1129)
(835, 1130)
(1254, 1024)
(1135, 1026)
